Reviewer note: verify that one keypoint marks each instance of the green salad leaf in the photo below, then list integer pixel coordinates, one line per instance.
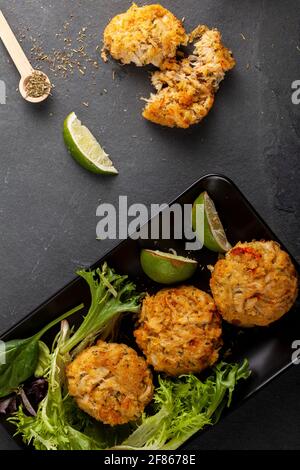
(50, 429)
(111, 295)
(181, 406)
(21, 357)
(184, 406)
(59, 424)
(20, 360)
(44, 360)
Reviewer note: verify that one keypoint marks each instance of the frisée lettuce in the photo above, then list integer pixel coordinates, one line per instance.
(184, 406)
(180, 408)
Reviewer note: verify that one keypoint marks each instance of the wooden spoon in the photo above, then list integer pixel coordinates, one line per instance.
(21, 62)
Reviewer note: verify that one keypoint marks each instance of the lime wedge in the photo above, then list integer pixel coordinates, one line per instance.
(214, 235)
(167, 268)
(85, 149)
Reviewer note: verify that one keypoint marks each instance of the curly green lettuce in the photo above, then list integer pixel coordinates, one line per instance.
(181, 406)
(51, 428)
(56, 425)
(111, 295)
(185, 406)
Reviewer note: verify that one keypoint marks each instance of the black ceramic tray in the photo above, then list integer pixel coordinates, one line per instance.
(269, 350)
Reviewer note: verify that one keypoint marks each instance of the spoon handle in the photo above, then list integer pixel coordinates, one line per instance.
(14, 49)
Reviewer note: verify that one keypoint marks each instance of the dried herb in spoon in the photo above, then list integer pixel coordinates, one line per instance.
(37, 85)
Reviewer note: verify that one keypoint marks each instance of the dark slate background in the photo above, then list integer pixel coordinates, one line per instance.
(48, 203)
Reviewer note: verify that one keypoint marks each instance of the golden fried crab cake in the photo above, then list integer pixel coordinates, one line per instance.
(110, 382)
(255, 284)
(181, 99)
(186, 88)
(144, 35)
(179, 330)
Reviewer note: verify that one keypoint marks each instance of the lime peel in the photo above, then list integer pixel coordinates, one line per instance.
(167, 268)
(214, 234)
(84, 148)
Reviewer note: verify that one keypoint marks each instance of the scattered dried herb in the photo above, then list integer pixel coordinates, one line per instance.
(73, 51)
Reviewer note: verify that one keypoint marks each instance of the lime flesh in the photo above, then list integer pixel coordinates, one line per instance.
(85, 149)
(214, 235)
(166, 268)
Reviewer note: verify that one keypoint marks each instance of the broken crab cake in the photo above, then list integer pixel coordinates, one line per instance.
(144, 35)
(186, 88)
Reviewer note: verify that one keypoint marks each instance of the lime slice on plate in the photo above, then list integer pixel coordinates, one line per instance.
(167, 268)
(85, 149)
(214, 235)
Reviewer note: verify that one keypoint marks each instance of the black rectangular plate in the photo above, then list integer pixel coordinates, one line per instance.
(269, 350)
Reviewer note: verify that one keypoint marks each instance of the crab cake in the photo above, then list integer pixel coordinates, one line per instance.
(255, 284)
(110, 382)
(186, 88)
(181, 99)
(144, 35)
(179, 330)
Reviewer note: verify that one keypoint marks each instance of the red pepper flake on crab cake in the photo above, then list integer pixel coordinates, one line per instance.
(255, 284)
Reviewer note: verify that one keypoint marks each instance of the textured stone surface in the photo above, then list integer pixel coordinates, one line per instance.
(48, 203)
